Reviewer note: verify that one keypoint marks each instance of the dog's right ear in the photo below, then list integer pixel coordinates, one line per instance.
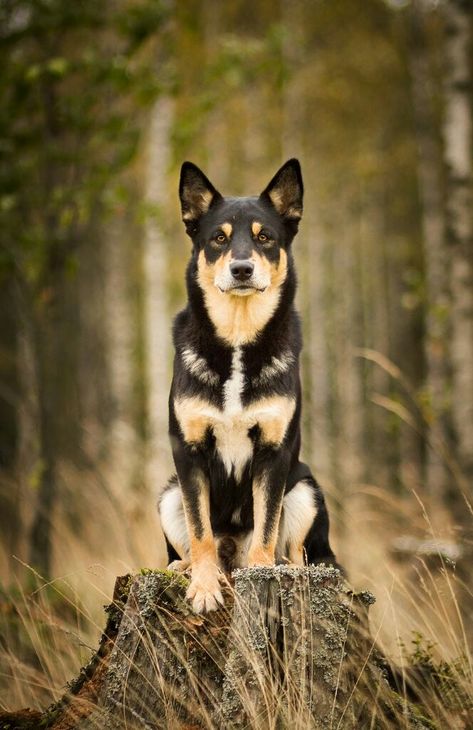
(197, 195)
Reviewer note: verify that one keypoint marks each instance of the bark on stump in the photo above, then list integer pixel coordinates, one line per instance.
(291, 648)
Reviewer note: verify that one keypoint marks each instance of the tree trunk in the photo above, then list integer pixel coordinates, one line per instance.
(94, 366)
(55, 352)
(120, 351)
(430, 181)
(383, 462)
(46, 350)
(155, 269)
(458, 157)
(10, 396)
(316, 343)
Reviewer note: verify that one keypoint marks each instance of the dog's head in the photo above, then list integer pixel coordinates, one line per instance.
(241, 244)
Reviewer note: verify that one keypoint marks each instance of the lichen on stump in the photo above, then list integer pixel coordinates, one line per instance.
(301, 624)
(167, 663)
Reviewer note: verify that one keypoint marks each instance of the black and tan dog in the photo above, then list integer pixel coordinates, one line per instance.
(241, 497)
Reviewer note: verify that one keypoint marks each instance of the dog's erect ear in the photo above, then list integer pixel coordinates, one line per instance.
(285, 191)
(197, 194)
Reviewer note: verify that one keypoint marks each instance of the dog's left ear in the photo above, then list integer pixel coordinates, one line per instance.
(197, 194)
(285, 191)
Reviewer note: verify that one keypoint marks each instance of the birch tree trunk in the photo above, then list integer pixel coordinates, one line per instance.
(348, 340)
(316, 342)
(156, 252)
(458, 157)
(430, 182)
(121, 326)
(293, 115)
(381, 464)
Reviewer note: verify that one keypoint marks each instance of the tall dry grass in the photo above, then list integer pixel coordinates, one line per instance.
(48, 630)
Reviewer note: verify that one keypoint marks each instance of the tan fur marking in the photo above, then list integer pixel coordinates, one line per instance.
(192, 417)
(256, 228)
(261, 556)
(280, 271)
(203, 507)
(238, 320)
(262, 552)
(204, 588)
(207, 272)
(203, 549)
(227, 228)
(272, 414)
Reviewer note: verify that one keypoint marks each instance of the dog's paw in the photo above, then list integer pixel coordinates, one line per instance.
(179, 566)
(204, 590)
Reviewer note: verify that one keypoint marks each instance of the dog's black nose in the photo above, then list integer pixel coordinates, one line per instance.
(241, 270)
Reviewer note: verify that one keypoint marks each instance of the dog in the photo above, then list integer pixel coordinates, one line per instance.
(240, 496)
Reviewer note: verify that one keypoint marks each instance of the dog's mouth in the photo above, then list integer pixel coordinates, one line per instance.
(242, 289)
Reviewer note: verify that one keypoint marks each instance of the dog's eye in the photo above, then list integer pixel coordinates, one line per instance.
(264, 238)
(220, 238)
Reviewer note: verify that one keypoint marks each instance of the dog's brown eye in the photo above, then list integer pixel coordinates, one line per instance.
(220, 238)
(263, 238)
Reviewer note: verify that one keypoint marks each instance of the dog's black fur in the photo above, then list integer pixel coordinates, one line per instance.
(237, 346)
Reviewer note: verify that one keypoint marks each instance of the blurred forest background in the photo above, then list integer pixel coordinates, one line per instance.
(101, 103)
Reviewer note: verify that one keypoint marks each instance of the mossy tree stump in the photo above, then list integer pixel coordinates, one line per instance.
(291, 648)
(278, 650)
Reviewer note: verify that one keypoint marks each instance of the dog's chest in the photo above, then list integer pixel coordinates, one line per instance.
(232, 439)
(232, 422)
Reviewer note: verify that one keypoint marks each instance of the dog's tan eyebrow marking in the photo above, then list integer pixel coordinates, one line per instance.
(256, 227)
(227, 228)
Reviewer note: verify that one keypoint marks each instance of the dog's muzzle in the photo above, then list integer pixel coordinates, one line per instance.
(241, 277)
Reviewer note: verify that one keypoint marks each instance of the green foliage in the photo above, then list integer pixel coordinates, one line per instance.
(74, 78)
(446, 683)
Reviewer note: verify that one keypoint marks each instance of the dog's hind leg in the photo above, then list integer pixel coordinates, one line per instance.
(298, 513)
(304, 527)
(316, 544)
(173, 523)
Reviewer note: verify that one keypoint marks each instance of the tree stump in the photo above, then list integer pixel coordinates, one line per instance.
(291, 648)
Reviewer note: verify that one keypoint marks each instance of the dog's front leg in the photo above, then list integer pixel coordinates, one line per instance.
(268, 492)
(204, 589)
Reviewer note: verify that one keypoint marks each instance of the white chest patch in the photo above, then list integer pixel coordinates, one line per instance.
(231, 434)
(233, 387)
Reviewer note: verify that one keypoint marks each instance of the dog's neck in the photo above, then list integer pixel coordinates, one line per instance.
(238, 320)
